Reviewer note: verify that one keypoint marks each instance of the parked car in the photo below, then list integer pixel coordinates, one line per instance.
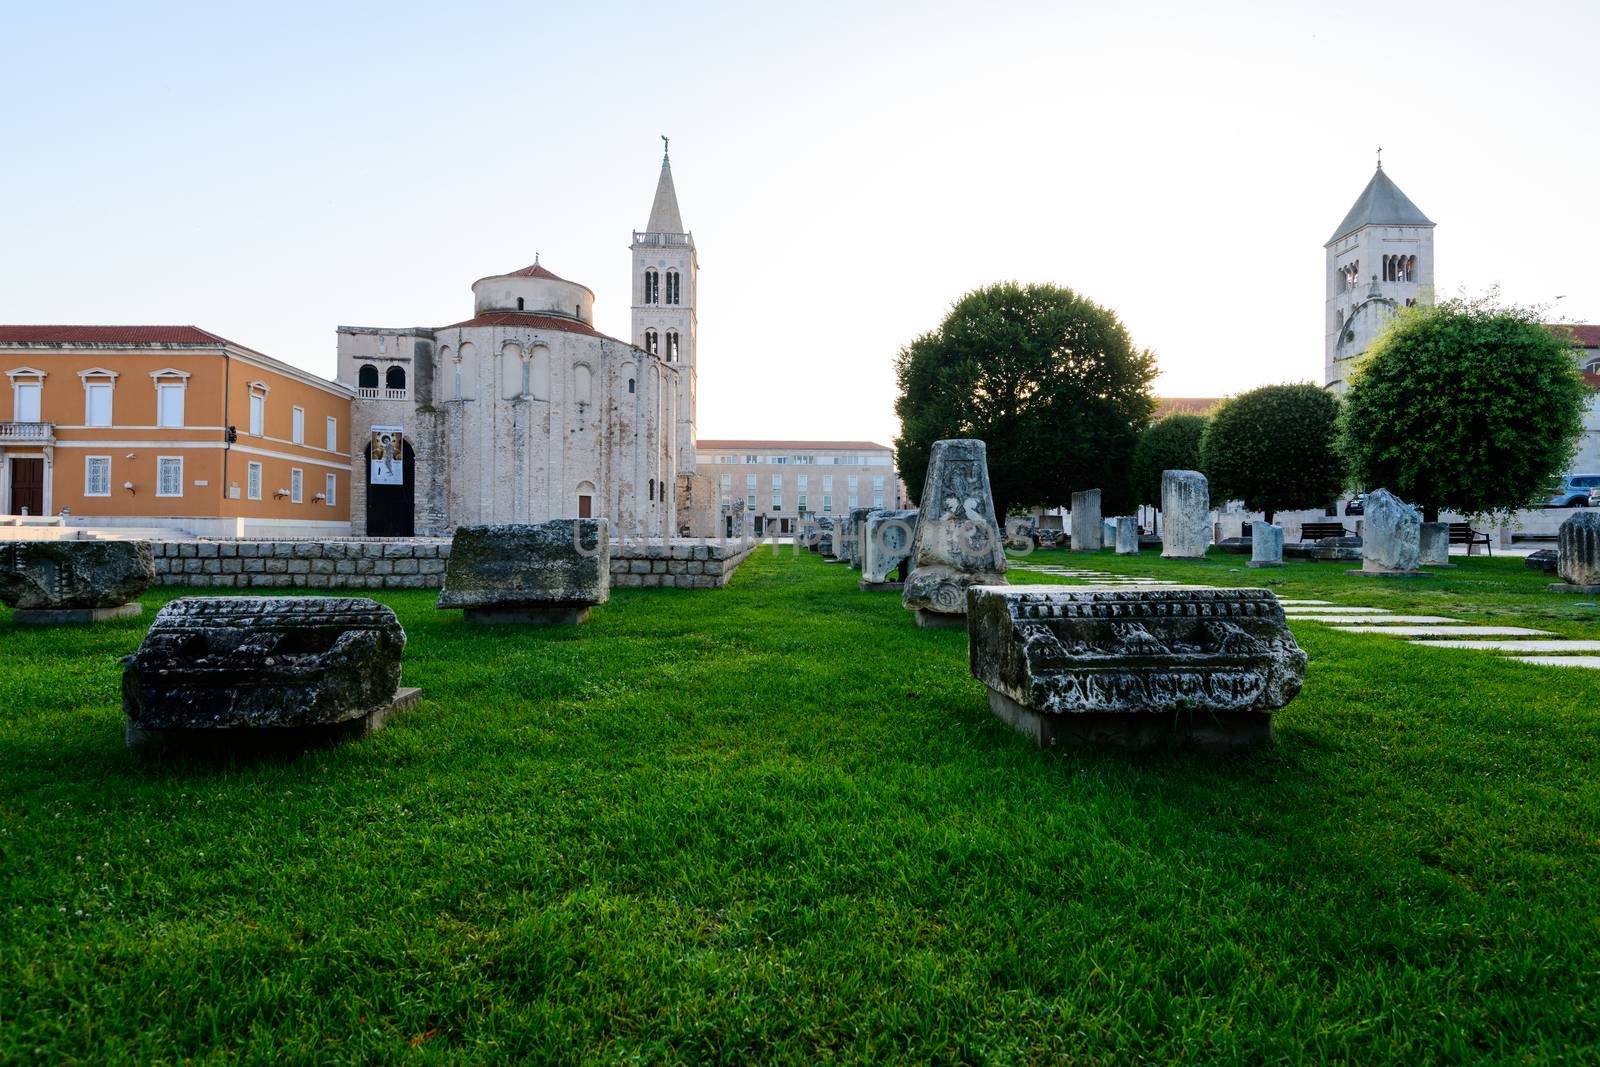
(1594, 497)
(1357, 505)
(1572, 491)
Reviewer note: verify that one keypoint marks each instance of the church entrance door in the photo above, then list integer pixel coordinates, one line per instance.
(391, 509)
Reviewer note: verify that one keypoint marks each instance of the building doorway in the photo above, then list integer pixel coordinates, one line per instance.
(391, 509)
(27, 486)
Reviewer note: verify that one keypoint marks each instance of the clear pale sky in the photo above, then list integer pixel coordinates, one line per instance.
(271, 171)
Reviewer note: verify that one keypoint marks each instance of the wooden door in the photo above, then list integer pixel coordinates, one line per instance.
(27, 486)
(585, 506)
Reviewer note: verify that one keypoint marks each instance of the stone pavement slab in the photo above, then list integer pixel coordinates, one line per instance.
(1592, 662)
(1564, 647)
(1378, 622)
(1446, 631)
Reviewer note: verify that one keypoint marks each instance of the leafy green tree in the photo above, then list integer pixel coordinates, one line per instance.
(1047, 379)
(1171, 443)
(1465, 406)
(1275, 448)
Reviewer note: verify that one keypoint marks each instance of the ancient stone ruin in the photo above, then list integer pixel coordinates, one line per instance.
(1266, 545)
(1433, 545)
(1086, 519)
(1185, 515)
(1127, 539)
(52, 582)
(1134, 668)
(235, 672)
(957, 542)
(541, 573)
(886, 549)
(1578, 553)
(1390, 538)
(858, 531)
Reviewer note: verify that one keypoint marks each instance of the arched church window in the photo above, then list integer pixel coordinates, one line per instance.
(651, 342)
(1411, 268)
(1340, 313)
(367, 376)
(394, 378)
(652, 488)
(520, 304)
(672, 346)
(652, 287)
(630, 385)
(674, 293)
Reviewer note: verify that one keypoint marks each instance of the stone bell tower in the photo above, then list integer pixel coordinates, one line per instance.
(665, 287)
(1380, 259)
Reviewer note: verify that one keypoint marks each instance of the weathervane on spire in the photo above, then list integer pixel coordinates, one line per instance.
(666, 145)
(1380, 157)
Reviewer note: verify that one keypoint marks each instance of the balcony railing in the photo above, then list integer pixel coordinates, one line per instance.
(26, 433)
(659, 240)
(383, 394)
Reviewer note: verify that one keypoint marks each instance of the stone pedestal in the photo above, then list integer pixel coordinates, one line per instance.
(1266, 545)
(543, 573)
(1185, 515)
(1087, 532)
(240, 672)
(957, 542)
(1433, 545)
(886, 548)
(1578, 553)
(1391, 538)
(55, 582)
(1174, 666)
(1127, 539)
(939, 620)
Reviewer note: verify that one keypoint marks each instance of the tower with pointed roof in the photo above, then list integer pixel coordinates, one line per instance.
(1380, 259)
(665, 287)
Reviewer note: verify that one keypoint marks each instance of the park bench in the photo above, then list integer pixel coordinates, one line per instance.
(1462, 533)
(1316, 531)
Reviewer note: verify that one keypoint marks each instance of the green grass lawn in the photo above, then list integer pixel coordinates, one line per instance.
(777, 823)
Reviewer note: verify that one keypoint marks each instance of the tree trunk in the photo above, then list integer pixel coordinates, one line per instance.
(1267, 516)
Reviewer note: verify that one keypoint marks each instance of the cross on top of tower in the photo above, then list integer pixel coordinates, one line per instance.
(1380, 157)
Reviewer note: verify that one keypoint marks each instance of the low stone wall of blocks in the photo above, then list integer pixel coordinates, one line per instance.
(418, 563)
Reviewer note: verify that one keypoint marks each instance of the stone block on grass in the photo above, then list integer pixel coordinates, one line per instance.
(543, 573)
(63, 582)
(957, 542)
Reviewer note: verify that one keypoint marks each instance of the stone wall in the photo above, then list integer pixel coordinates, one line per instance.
(417, 563)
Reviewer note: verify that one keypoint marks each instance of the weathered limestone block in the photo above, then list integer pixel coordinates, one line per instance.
(74, 581)
(1127, 539)
(858, 525)
(1266, 545)
(1578, 553)
(1135, 668)
(1086, 519)
(1545, 559)
(1186, 514)
(237, 669)
(1433, 545)
(886, 548)
(1108, 533)
(957, 542)
(837, 550)
(548, 572)
(1390, 535)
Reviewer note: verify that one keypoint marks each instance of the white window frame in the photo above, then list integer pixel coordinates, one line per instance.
(252, 481)
(88, 482)
(258, 414)
(330, 488)
(99, 378)
(36, 390)
(162, 461)
(164, 390)
(297, 425)
(333, 434)
(297, 485)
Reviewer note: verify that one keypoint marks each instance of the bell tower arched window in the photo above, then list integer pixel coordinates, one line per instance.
(367, 376)
(652, 287)
(394, 378)
(672, 346)
(674, 291)
(652, 342)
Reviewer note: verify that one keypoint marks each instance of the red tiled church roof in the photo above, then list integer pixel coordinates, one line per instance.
(1586, 334)
(529, 320)
(109, 335)
(534, 271)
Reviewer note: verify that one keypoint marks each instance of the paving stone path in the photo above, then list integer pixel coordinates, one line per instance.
(1521, 643)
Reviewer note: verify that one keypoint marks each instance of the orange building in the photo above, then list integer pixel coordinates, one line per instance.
(169, 427)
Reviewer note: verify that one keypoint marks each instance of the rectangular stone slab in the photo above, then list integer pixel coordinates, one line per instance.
(1378, 620)
(1517, 646)
(1184, 655)
(1591, 662)
(529, 565)
(1445, 631)
(1332, 609)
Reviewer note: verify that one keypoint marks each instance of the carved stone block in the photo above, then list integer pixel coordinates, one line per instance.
(233, 668)
(548, 572)
(1086, 519)
(1201, 668)
(1578, 553)
(1266, 545)
(1391, 536)
(1185, 515)
(74, 581)
(1127, 540)
(886, 548)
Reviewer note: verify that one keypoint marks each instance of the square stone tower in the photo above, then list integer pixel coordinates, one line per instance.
(665, 286)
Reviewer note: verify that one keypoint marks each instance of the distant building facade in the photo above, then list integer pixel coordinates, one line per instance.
(172, 428)
(1379, 259)
(525, 412)
(776, 483)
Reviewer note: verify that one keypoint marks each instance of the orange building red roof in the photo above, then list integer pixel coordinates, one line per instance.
(109, 335)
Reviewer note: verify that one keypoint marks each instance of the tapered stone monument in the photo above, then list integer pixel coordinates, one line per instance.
(1177, 666)
(1087, 535)
(1185, 515)
(1391, 538)
(957, 542)
(1266, 545)
(1578, 553)
(54, 582)
(534, 573)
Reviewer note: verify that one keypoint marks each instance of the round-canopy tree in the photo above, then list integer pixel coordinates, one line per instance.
(1465, 406)
(1049, 380)
(1275, 448)
(1171, 443)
